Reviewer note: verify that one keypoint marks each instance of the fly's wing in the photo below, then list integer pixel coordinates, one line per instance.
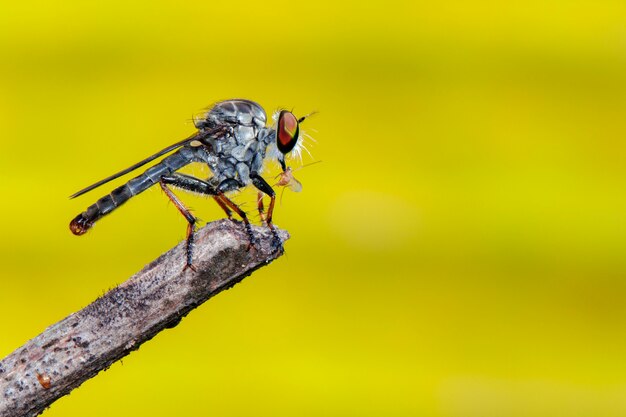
(295, 185)
(196, 136)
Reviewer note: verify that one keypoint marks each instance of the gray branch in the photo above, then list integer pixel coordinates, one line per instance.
(156, 298)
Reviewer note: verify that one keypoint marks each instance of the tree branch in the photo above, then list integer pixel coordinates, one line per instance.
(156, 298)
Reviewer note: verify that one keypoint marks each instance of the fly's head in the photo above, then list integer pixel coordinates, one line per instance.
(287, 135)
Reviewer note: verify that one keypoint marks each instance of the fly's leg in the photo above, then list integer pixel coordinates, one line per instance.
(265, 188)
(259, 200)
(231, 185)
(191, 220)
(196, 185)
(189, 183)
(224, 207)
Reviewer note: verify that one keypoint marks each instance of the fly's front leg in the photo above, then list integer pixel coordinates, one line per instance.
(264, 187)
(231, 185)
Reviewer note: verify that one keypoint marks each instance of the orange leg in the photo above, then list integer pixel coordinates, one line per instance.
(224, 207)
(260, 205)
(191, 220)
(241, 214)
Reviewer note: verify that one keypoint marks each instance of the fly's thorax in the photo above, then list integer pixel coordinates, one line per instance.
(240, 141)
(268, 139)
(245, 134)
(263, 150)
(231, 168)
(235, 112)
(225, 169)
(267, 136)
(204, 154)
(239, 161)
(243, 150)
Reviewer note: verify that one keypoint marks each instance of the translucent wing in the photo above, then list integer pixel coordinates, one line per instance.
(162, 152)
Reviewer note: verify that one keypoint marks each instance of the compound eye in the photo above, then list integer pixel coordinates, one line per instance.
(287, 131)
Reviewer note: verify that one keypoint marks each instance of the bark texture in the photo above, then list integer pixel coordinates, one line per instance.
(156, 298)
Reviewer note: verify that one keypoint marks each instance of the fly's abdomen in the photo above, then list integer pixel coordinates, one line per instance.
(85, 220)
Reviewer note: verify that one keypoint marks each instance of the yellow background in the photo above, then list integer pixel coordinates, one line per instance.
(460, 252)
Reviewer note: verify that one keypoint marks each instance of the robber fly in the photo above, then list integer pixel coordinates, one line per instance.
(233, 140)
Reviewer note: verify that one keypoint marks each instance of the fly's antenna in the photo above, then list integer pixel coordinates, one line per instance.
(306, 116)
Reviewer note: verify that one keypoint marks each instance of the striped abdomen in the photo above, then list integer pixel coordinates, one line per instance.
(85, 220)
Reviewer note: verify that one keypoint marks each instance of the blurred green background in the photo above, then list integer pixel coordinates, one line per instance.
(460, 252)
